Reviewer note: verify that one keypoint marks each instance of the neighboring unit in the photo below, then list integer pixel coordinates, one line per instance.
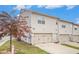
(64, 31)
(75, 35)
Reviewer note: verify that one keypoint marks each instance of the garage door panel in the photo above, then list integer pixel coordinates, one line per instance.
(42, 38)
(75, 38)
(64, 38)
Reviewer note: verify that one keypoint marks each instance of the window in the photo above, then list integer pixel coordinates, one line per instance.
(63, 26)
(56, 23)
(75, 28)
(41, 20)
(26, 17)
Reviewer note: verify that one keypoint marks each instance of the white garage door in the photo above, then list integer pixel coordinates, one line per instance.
(42, 38)
(76, 38)
(64, 38)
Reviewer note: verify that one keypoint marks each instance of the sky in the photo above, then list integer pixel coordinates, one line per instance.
(64, 12)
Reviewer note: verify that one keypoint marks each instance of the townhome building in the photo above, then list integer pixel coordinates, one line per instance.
(48, 29)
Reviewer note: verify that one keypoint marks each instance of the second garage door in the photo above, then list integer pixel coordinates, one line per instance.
(76, 38)
(42, 38)
(64, 38)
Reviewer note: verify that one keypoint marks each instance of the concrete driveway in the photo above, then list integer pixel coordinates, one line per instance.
(54, 48)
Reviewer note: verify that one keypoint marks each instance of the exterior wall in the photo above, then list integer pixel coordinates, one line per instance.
(64, 33)
(40, 30)
(75, 35)
(50, 31)
(55, 38)
(49, 26)
(26, 16)
(67, 29)
(75, 32)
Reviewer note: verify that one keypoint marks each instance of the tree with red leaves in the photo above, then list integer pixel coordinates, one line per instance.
(13, 27)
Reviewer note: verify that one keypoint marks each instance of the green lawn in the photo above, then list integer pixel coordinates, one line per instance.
(71, 46)
(21, 48)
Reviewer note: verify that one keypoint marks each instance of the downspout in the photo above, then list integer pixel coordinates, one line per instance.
(72, 33)
(30, 34)
(71, 37)
(57, 30)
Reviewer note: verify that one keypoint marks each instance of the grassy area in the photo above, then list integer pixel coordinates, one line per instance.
(21, 48)
(71, 46)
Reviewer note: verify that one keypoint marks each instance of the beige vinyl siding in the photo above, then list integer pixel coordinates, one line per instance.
(67, 29)
(75, 35)
(75, 32)
(49, 26)
(46, 29)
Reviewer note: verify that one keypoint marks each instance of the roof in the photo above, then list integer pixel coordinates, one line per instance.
(44, 14)
(76, 24)
(50, 16)
(40, 13)
(66, 21)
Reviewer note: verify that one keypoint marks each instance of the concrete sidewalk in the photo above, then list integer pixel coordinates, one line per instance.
(54, 48)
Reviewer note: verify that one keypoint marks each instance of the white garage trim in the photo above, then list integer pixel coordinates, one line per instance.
(55, 38)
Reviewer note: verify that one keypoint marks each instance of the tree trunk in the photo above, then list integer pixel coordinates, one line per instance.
(10, 43)
(19, 39)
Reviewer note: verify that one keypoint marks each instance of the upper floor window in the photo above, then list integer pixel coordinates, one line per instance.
(28, 15)
(75, 28)
(63, 26)
(41, 20)
(56, 23)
